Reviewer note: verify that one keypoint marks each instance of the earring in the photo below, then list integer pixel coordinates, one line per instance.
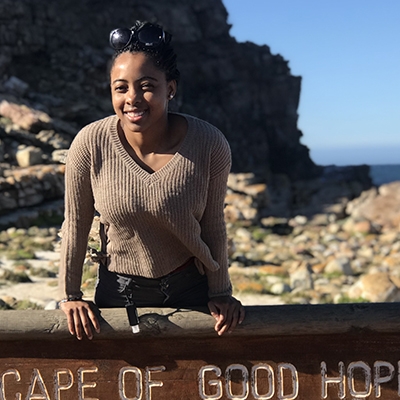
(171, 96)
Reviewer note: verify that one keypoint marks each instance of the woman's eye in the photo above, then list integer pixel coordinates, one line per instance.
(120, 88)
(147, 86)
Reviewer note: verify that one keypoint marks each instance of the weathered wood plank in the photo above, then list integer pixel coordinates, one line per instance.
(260, 320)
(280, 352)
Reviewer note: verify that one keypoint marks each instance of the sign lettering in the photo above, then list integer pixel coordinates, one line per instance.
(263, 381)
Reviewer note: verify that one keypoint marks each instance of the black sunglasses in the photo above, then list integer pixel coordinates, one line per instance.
(148, 36)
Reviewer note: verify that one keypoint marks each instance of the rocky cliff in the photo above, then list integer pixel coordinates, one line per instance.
(53, 80)
(60, 49)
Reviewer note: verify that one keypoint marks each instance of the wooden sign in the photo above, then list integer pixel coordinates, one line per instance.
(280, 352)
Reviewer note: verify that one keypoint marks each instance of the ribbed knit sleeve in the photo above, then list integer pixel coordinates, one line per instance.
(213, 227)
(79, 212)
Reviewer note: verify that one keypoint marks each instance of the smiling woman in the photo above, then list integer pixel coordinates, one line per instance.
(140, 95)
(158, 181)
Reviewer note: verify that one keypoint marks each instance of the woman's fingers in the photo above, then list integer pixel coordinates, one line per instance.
(94, 320)
(228, 313)
(80, 318)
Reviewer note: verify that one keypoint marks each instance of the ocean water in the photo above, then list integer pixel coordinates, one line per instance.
(381, 174)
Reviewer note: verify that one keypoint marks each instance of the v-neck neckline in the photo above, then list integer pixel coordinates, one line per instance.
(139, 170)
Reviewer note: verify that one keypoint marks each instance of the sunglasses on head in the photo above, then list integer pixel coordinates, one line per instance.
(148, 36)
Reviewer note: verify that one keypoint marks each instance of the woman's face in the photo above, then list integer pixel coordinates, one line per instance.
(139, 93)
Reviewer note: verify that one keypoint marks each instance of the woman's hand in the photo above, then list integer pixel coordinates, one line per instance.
(80, 318)
(227, 311)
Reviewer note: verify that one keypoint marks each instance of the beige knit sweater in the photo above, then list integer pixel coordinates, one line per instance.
(154, 221)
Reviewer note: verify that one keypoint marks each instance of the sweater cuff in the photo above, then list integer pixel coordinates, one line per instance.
(227, 292)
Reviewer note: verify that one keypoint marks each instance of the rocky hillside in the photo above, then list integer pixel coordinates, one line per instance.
(59, 50)
(53, 69)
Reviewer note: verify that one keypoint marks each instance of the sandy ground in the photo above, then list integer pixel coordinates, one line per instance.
(44, 291)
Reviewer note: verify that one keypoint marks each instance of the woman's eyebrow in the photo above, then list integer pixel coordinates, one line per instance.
(119, 80)
(143, 78)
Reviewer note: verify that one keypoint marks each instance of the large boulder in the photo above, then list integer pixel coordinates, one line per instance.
(381, 205)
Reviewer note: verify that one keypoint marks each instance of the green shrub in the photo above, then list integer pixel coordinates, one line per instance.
(347, 299)
(16, 277)
(43, 273)
(20, 254)
(26, 305)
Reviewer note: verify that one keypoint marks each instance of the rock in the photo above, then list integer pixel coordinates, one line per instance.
(339, 266)
(4, 305)
(51, 305)
(376, 287)
(239, 182)
(59, 156)
(25, 117)
(29, 156)
(54, 139)
(299, 220)
(330, 193)
(243, 234)
(245, 200)
(396, 280)
(365, 252)
(333, 228)
(322, 219)
(31, 186)
(301, 238)
(280, 288)
(362, 226)
(329, 238)
(272, 270)
(301, 277)
(390, 237)
(232, 213)
(391, 261)
(249, 214)
(381, 205)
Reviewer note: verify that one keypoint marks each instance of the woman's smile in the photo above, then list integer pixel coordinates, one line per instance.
(140, 92)
(135, 116)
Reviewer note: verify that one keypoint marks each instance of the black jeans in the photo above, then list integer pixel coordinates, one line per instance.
(183, 288)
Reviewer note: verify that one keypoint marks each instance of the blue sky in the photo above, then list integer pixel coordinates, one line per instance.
(348, 55)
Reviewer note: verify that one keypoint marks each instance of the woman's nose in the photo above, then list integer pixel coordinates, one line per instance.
(133, 96)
